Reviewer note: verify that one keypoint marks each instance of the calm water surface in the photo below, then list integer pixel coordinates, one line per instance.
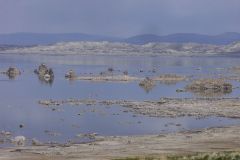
(19, 97)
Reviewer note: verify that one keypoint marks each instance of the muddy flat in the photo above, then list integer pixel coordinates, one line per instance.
(165, 107)
(187, 142)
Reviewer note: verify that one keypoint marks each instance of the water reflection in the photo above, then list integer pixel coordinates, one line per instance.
(45, 81)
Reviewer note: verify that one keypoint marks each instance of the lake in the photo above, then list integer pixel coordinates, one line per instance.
(19, 97)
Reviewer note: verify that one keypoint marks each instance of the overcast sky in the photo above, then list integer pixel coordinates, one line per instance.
(121, 18)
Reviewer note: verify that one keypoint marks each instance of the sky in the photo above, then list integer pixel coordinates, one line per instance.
(120, 18)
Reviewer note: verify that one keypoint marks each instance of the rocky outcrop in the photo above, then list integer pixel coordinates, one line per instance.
(70, 75)
(12, 72)
(44, 73)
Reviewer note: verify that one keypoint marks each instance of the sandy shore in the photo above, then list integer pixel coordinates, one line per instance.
(188, 142)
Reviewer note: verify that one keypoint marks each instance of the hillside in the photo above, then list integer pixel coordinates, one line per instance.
(221, 39)
(44, 38)
(116, 48)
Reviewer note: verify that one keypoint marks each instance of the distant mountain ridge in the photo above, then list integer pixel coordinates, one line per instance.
(51, 38)
(221, 39)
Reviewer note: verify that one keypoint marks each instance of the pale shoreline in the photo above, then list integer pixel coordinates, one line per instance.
(159, 146)
(165, 107)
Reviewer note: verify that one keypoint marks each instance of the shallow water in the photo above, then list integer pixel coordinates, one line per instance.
(19, 97)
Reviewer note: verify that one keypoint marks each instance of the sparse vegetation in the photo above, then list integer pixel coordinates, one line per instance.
(209, 156)
(138, 158)
(200, 156)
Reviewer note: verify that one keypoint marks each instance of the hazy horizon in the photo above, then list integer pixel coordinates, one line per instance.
(116, 36)
(123, 18)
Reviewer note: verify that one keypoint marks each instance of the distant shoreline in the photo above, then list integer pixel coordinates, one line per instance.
(125, 49)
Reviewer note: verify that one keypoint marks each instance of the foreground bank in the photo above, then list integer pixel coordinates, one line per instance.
(158, 146)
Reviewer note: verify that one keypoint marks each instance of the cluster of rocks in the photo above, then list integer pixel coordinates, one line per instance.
(44, 73)
(7, 137)
(12, 72)
(202, 87)
(210, 87)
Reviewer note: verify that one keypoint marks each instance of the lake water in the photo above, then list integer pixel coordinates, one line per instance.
(19, 97)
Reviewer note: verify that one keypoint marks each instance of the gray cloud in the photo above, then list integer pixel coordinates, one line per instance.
(120, 17)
